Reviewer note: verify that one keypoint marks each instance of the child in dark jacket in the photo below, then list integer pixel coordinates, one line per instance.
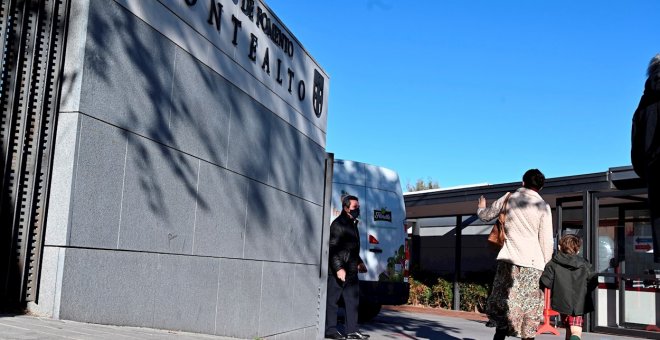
(571, 279)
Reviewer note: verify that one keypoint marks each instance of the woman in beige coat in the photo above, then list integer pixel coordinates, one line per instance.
(515, 305)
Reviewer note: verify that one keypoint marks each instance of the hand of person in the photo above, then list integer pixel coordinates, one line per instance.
(362, 268)
(482, 202)
(341, 274)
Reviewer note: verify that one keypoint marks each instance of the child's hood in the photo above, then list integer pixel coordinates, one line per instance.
(569, 261)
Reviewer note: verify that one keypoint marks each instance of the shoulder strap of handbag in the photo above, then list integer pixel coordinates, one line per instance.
(502, 216)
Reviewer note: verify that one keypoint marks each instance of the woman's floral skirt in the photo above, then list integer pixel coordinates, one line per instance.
(516, 303)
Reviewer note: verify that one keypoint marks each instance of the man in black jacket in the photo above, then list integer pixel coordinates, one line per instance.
(344, 265)
(645, 151)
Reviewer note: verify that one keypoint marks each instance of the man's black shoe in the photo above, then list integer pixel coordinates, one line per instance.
(335, 335)
(357, 335)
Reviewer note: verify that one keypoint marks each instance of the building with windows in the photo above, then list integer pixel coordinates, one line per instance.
(607, 209)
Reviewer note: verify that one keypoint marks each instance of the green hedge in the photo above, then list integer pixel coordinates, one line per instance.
(441, 294)
(420, 294)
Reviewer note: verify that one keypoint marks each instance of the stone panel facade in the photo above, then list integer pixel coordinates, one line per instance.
(187, 182)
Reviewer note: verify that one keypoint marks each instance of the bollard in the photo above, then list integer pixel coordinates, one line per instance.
(547, 313)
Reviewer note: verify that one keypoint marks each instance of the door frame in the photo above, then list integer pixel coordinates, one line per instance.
(595, 198)
(586, 198)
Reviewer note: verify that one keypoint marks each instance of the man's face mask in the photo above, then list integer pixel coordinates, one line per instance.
(355, 212)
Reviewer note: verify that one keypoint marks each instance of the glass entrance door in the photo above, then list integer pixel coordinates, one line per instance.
(628, 294)
(572, 219)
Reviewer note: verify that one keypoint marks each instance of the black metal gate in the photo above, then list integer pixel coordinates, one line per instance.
(32, 40)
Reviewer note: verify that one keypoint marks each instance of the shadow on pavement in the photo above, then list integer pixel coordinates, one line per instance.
(400, 326)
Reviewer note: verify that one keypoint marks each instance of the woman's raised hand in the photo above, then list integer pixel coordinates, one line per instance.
(482, 202)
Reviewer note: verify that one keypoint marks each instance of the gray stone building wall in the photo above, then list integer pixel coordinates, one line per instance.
(187, 188)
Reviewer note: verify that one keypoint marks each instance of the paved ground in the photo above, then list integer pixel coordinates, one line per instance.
(24, 327)
(390, 324)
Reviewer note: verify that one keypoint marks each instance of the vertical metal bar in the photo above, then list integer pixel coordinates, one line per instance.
(26, 140)
(33, 34)
(591, 242)
(590, 227)
(457, 262)
(559, 208)
(39, 112)
(12, 67)
(56, 64)
(8, 197)
(38, 100)
(6, 93)
(622, 293)
(5, 26)
(587, 224)
(5, 128)
(621, 224)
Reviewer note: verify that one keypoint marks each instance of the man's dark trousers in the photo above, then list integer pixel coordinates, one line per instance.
(350, 290)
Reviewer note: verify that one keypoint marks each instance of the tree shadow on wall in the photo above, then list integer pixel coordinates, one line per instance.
(178, 114)
(128, 72)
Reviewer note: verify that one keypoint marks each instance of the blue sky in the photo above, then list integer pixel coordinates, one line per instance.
(471, 91)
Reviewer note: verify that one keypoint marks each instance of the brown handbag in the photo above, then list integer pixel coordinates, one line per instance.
(497, 236)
